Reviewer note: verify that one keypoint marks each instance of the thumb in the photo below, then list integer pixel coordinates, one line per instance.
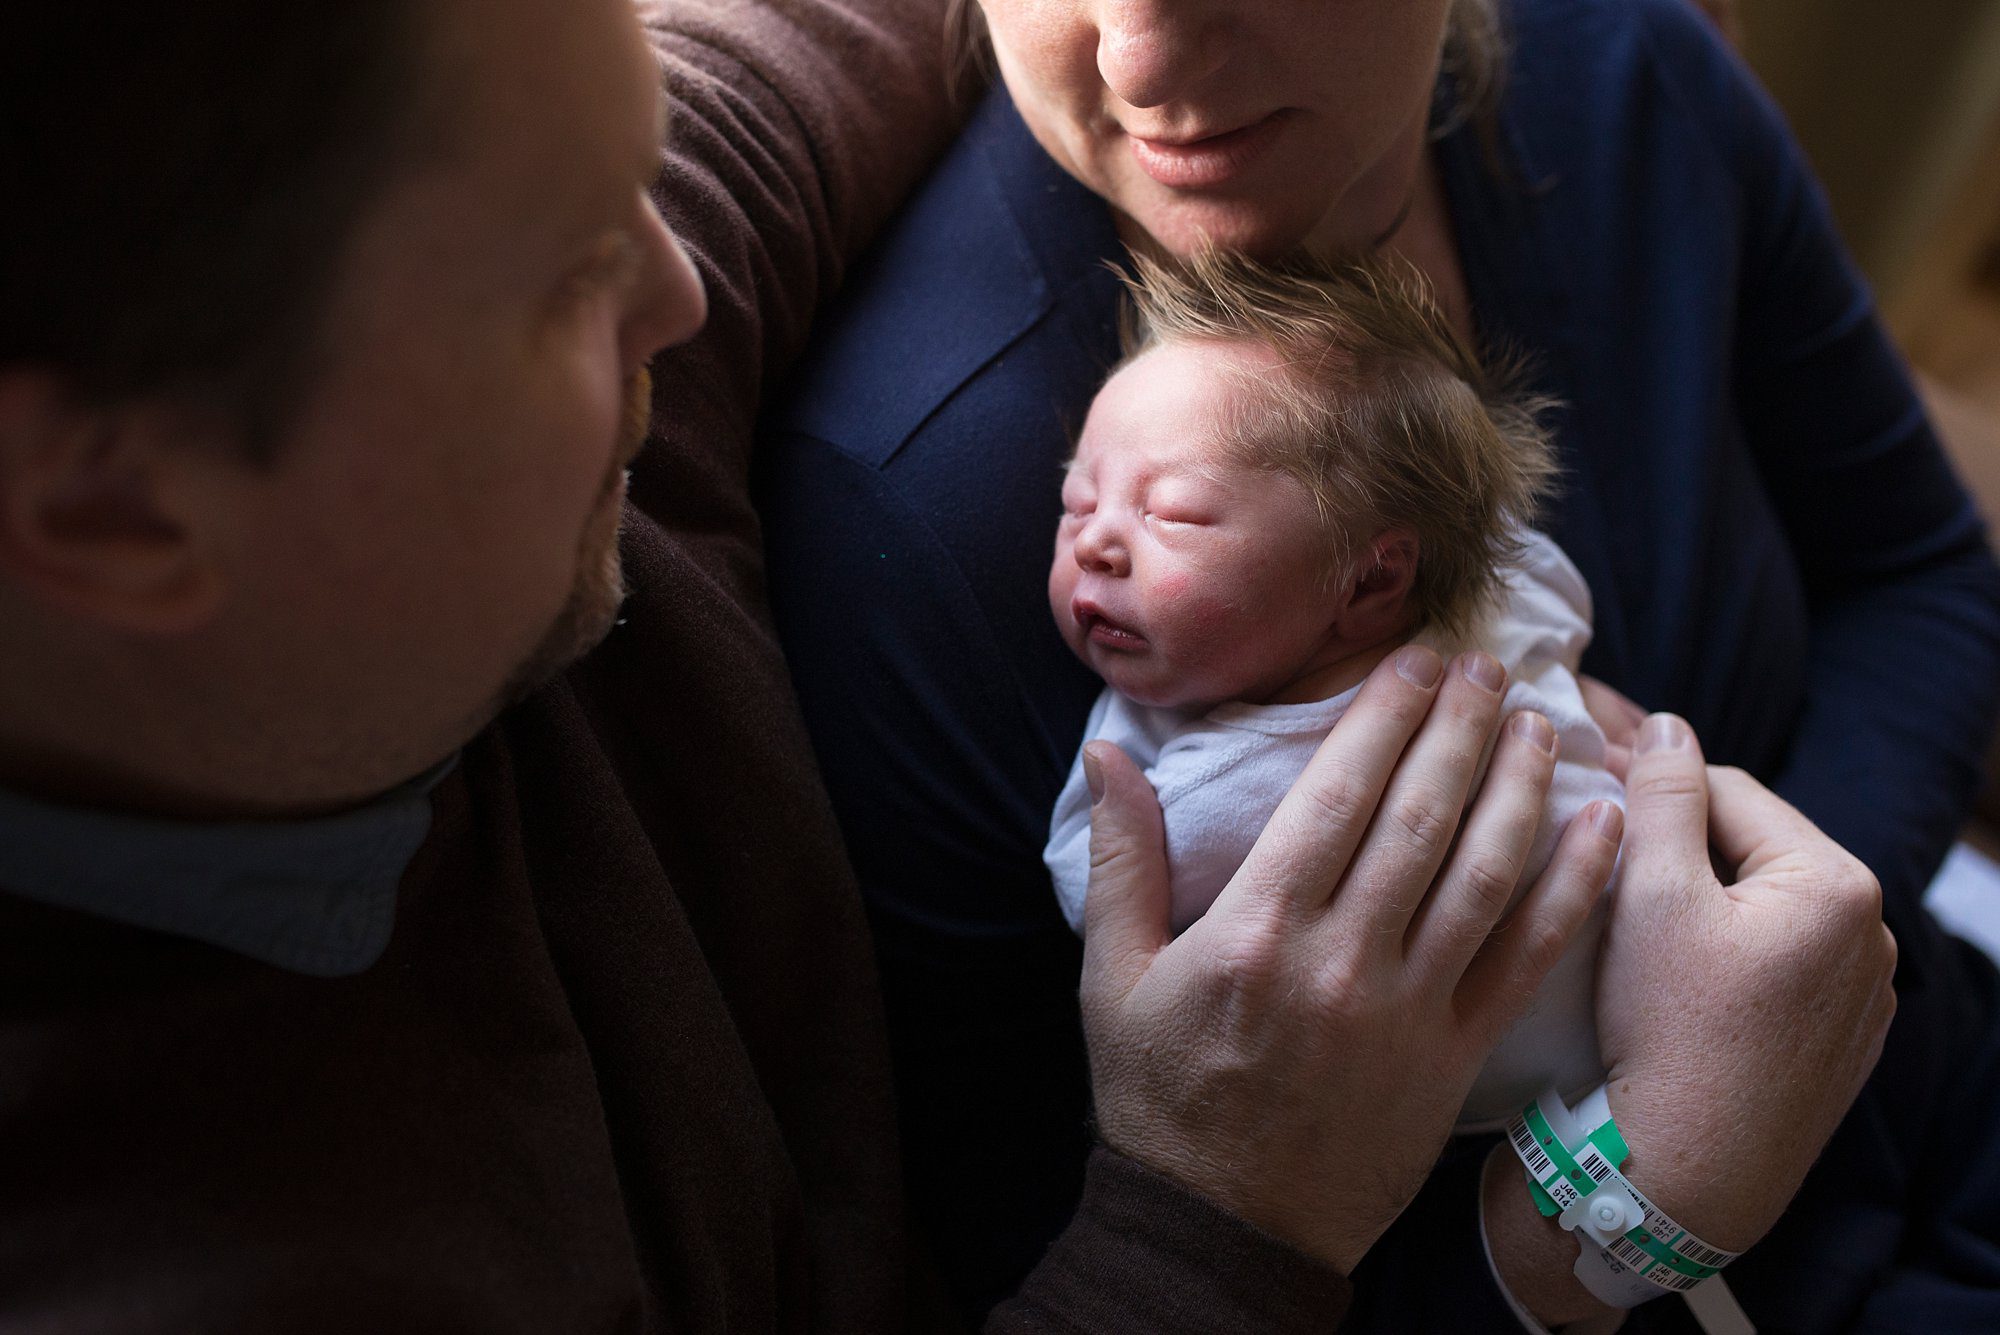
(1125, 915)
(1666, 808)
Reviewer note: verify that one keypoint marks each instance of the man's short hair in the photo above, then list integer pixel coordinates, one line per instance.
(1381, 410)
(177, 180)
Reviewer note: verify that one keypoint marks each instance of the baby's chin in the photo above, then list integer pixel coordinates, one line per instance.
(1141, 689)
(1141, 678)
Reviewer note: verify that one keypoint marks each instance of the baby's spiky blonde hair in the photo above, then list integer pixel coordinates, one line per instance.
(1381, 411)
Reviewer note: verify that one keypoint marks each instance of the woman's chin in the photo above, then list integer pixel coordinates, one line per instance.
(1186, 227)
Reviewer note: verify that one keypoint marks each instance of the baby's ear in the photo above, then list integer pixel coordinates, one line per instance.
(1377, 605)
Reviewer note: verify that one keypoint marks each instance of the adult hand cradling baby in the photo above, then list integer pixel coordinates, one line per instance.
(1739, 1015)
(1328, 1008)
(1739, 1018)
(1339, 1031)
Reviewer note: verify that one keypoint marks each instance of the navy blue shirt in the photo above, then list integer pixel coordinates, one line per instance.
(1776, 546)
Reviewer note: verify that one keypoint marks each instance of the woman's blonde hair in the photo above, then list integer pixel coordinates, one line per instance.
(1381, 411)
(1474, 59)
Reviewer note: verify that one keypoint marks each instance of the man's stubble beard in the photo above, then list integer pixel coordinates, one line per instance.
(599, 591)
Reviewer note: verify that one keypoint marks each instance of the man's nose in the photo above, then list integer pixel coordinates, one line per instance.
(671, 305)
(1150, 52)
(1100, 548)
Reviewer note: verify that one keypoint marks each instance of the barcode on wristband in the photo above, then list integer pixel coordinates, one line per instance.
(1540, 1166)
(1701, 1254)
(1683, 1242)
(1648, 1268)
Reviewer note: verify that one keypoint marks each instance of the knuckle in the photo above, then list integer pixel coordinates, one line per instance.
(1338, 798)
(1421, 820)
(1246, 961)
(1674, 785)
(1108, 853)
(1490, 879)
(1855, 893)
(1343, 992)
(1867, 888)
(1542, 945)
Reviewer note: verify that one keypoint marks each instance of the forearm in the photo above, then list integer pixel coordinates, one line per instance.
(1532, 1255)
(1675, 1154)
(1143, 1254)
(1901, 697)
(1903, 660)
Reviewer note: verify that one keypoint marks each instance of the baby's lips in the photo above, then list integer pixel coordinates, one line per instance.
(1093, 624)
(1086, 614)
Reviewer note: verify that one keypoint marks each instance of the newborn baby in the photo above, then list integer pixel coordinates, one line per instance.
(1293, 473)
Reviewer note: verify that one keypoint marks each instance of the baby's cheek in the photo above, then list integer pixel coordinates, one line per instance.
(1202, 618)
(1197, 598)
(1175, 591)
(1062, 584)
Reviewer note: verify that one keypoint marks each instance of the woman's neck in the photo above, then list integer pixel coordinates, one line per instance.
(1428, 242)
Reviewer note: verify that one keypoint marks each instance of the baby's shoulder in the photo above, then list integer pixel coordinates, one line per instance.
(1542, 608)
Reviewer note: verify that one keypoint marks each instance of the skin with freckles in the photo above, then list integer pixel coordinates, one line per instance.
(1185, 577)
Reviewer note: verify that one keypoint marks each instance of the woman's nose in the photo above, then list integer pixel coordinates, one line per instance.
(1099, 547)
(1150, 52)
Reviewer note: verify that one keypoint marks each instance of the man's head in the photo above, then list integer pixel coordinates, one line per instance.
(1292, 465)
(320, 360)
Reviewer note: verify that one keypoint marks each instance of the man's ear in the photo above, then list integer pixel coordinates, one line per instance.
(1377, 603)
(97, 520)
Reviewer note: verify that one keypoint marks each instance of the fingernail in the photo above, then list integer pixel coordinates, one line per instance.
(1418, 666)
(1093, 776)
(1485, 670)
(1607, 820)
(1663, 732)
(1532, 727)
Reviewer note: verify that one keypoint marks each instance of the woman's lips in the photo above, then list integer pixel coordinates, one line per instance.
(1204, 164)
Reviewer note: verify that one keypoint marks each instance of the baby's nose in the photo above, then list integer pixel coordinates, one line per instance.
(1098, 547)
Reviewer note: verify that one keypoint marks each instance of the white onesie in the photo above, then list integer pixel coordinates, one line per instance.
(1220, 775)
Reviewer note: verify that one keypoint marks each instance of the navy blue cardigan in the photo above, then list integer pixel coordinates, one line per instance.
(1777, 548)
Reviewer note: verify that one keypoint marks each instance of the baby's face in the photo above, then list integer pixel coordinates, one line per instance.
(1181, 576)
